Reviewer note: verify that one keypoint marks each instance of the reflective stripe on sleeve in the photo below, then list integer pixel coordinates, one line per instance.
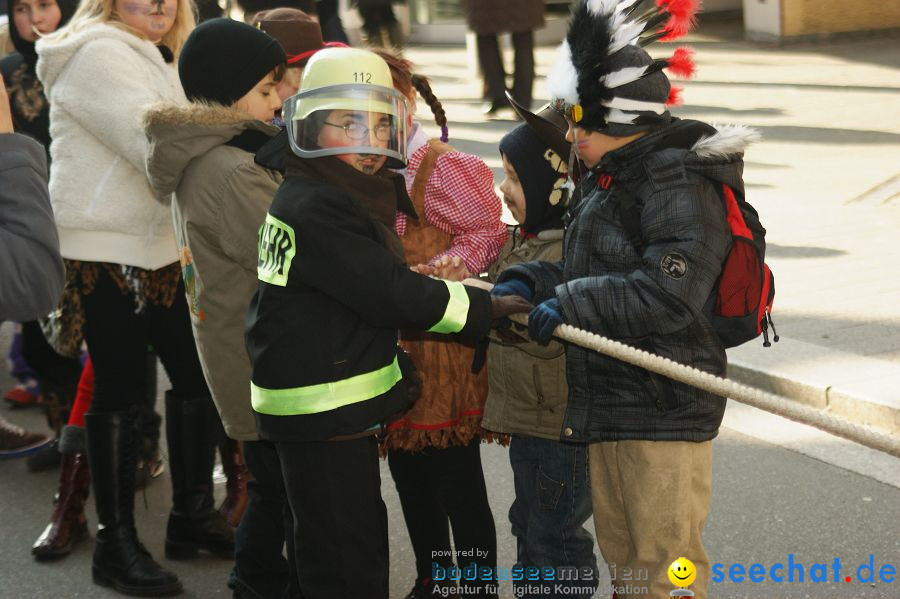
(313, 399)
(457, 310)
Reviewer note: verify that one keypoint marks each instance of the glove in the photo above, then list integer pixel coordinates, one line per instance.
(513, 286)
(480, 355)
(504, 305)
(544, 319)
(410, 376)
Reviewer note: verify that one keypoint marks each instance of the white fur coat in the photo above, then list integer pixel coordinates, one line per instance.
(98, 82)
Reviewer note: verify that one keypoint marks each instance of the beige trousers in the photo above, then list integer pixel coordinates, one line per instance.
(650, 503)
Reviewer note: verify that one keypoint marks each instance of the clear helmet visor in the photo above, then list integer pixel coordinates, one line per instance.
(348, 119)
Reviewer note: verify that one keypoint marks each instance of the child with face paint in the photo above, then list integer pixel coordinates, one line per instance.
(434, 450)
(322, 329)
(642, 271)
(99, 72)
(202, 155)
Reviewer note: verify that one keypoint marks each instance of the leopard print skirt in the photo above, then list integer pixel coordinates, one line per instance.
(64, 328)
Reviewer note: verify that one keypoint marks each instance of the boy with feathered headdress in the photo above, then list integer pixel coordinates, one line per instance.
(650, 451)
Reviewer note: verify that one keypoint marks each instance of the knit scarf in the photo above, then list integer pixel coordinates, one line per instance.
(381, 195)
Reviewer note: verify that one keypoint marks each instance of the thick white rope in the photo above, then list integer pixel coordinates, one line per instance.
(726, 388)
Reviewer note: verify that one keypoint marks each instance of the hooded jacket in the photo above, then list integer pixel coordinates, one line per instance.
(609, 287)
(323, 326)
(98, 81)
(220, 200)
(28, 105)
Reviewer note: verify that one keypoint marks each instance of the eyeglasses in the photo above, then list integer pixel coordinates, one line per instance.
(358, 131)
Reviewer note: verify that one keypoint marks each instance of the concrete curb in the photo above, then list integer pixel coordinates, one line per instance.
(863, 390)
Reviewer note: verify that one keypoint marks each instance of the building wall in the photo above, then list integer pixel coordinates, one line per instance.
(780, 19)
(806, 17)
(762, 19)
(720, 5)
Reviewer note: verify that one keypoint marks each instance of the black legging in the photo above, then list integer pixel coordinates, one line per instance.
(491, 62)
(48, 366)
(436, 485)
(330, 22)
(376, 17)
(117, 341)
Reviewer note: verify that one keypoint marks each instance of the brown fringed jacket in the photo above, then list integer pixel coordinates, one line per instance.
(452, 401)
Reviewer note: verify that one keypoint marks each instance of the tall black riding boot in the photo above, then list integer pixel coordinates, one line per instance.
(192, 431)
(120, 560)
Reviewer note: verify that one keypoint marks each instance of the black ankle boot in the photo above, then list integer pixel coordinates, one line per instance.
(193, 429)
(120, 560)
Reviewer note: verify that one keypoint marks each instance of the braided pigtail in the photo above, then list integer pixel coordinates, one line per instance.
(424, 88)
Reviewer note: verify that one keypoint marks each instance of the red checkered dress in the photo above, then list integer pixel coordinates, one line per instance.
(460, 200)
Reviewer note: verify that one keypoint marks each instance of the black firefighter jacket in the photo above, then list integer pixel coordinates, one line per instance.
(652, 296)
(322, 328)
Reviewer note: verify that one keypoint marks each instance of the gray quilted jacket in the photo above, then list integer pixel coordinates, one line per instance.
(650, 297)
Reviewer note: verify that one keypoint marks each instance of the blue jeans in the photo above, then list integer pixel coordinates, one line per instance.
(553, 501)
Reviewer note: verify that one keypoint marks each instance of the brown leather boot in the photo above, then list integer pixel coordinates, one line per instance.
(68, 524)
(236, 474)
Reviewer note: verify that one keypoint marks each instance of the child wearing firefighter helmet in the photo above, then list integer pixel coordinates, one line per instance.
(322, 329)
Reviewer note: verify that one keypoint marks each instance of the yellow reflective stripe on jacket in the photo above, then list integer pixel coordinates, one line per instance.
(277, 246)
(313, 399)
(457, 310)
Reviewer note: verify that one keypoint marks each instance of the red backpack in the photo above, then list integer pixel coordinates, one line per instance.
(741, 302)
(740, 305)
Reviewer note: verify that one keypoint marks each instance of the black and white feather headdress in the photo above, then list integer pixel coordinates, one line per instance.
(604, 80)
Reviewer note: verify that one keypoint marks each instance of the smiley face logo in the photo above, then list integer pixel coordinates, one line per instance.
(682, 572)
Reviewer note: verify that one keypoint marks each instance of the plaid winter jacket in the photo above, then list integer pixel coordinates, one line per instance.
(649, 296)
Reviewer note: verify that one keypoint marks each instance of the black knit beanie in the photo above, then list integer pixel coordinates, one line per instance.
(542, 173)
(223, 59)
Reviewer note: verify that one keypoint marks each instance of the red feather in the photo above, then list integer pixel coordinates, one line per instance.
(674, 96)
(681, 9)
(683, 17)
(682, 62)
